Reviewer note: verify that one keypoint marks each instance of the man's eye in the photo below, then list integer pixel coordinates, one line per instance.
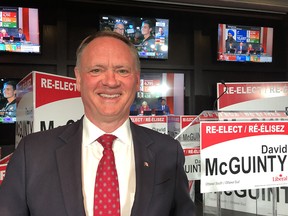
(123, 72)
(95, 71)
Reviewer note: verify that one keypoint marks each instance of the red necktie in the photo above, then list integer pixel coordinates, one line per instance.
(106, 194)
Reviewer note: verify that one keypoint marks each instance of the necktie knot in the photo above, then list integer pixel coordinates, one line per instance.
(106, 140)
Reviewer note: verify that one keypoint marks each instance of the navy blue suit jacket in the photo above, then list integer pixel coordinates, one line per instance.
(43, 177)
(166, 109)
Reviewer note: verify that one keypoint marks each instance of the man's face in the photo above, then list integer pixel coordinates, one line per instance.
(145, 29)
(160, 31)
(107, 79)
(120, 29)
(8, 91)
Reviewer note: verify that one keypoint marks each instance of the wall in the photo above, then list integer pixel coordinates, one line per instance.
(192, 44)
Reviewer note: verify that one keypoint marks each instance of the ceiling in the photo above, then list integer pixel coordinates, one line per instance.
(270, 6)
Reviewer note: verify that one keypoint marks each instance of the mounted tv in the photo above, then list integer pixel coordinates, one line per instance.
(238, 43)
(19, 30)
(149, 35)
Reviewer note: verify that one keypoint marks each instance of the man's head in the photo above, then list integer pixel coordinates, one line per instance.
(230, 33)
(3, 31)
(163, 102)
(9, 89)
(160, 30)
(119, 28)
(20, 30)
(107, 75)
(146, 28)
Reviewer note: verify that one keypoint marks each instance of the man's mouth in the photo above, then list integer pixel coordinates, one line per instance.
(110, 95)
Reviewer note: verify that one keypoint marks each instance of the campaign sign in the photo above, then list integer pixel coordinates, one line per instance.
(253, 96)
(157, 123)
(46, 101)
(3, 165)
(243, 155)
(2, 172)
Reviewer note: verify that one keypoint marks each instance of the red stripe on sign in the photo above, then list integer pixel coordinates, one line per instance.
(52, 88)
(218, 132)
(191, 151)
(242, 92)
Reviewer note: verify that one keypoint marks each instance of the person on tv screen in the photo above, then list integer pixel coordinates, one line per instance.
(250, 49)
(160, 33)
(21, 35)
(260, 49)
(119, 28)
(3, 33)
(148, 43)
(231, 48)
(164, 107)
(61, 171)
(241, 49)
(9, 92)
(137, 39)
(144, 107)
(230, 39)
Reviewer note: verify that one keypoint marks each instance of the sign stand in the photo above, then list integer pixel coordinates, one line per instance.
(227, 139)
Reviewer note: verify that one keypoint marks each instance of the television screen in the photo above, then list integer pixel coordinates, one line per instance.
(8, 100)
(149, 35)
(238, 43)
(19, 30)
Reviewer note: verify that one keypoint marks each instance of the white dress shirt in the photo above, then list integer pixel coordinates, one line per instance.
(124, 159)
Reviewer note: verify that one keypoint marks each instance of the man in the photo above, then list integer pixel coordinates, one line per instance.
(230, 39)
(21, 35)
(148, 43)
(119, 28)
(231, 48)
(160, 33)
(54, 172)
(164, 107)
(241, 49)
(9, 92)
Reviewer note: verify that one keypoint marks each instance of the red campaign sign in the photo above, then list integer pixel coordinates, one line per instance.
(186, 120)
(217, 132)
(241, 92)
(191, 151)
(6, 159)
(144, 120)
(2, 172)
(51, 88)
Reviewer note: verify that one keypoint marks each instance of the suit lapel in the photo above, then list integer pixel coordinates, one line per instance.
(145, 167)
(69, 165)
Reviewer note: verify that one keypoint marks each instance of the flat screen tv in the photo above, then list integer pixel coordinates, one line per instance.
(19, 30)
(239, 43)
(149, 35)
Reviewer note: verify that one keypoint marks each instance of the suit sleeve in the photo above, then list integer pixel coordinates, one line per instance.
(12, 189)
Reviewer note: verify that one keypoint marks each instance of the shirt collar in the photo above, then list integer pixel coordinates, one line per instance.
(92, 132)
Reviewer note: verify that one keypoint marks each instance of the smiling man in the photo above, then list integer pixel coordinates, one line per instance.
(61, 171)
